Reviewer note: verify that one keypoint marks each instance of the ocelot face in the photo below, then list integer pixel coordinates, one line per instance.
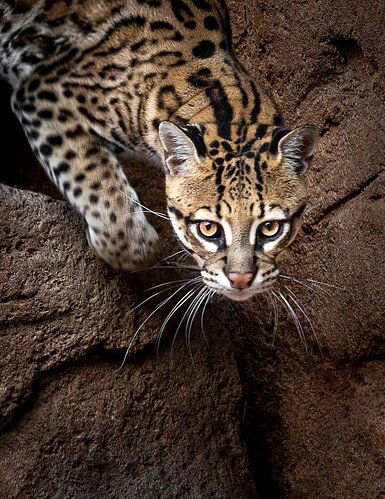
(236, 205)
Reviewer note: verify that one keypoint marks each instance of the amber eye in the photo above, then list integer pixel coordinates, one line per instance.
(210, 230)
(270, 229)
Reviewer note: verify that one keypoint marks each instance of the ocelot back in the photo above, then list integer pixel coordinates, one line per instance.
(158, 79)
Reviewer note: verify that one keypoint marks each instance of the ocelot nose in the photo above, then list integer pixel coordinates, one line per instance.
(240, 281)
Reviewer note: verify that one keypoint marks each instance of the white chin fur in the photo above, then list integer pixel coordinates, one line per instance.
(238, 295)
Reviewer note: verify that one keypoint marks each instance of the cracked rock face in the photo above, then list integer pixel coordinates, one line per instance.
(238, 415)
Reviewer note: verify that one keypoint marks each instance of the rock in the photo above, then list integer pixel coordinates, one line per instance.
(75, 423)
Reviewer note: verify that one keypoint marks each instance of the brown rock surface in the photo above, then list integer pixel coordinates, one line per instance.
(244, 417)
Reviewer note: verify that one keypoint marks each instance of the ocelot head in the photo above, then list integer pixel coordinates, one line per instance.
(236, 204)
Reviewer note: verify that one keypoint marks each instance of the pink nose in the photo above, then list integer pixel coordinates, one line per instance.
(240, 281)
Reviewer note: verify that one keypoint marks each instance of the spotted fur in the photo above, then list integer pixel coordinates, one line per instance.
(156, 79)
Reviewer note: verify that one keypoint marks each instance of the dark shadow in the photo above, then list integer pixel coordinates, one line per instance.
(19, 166)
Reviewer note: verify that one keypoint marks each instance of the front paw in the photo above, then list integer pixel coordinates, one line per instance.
(125, 248)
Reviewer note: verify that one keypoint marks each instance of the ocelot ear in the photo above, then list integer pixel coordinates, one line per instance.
(179, 150)
(297, 147)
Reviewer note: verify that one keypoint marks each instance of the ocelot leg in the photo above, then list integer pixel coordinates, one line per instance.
(87, 172)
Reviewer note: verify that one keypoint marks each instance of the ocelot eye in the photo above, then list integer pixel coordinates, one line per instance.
(209, 230)
(270, 228)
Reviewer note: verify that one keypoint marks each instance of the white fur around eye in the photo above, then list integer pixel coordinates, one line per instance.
(203, 214)
(268, 246)
(212, 247)
(227, 231)
(253, 232)
(271, 214)
(274, 214)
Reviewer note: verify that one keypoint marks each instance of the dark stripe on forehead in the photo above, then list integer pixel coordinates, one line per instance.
(264, 147)
(261, 207)
(218, 175)
(257, 103)
(122, 23)
(223, 112)
(44, 70)
(261, 131)
(228, 206)
(240, 129)
(258, 171)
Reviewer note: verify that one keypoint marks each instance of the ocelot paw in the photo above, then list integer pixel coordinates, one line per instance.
(124, 247)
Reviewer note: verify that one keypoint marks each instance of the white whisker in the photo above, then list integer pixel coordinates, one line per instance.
(176, 265)
(148, 210)
(324, 284)
(172, 267)
(171, 282)
(302, 308)
(171, 256)
(183, 258)
(148, 318)
(210, 294)
(190, 320)
(197, 290)
(152, 296)
(276, 316)
(172, 312)
(287, 305)
(305, 285)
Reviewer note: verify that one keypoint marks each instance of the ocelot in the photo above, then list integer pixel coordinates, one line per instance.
(158, 79)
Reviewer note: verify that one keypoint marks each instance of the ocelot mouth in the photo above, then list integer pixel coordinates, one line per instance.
(240, 294)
